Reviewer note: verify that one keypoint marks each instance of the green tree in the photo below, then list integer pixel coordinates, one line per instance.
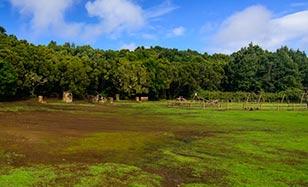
(243, 71)
(2, 30)
(28, 70)
(285, 73)
(8, 80)
(132, 78)
(73, 75)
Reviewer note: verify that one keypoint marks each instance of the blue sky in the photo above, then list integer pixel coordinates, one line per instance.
(204, 25)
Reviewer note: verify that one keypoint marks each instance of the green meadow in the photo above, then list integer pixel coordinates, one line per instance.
(149, 144)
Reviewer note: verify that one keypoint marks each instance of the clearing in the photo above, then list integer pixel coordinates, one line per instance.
(149, 144)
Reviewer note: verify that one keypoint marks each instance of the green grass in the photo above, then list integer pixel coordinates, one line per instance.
(190, 147)
(111, 141)
(260, 148)
(109, 174)
(40, 176)
(118, 175)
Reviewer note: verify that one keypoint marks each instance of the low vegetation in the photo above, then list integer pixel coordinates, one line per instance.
(149, 144)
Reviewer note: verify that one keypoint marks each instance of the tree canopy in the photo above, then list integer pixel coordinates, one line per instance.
(2, 30)
(28, 70)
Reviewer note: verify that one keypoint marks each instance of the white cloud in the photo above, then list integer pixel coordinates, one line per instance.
(258, 25)
(160, 10)
(177, 31)
(115, 17)
(116, 14)
(130, 46)
(47, 15)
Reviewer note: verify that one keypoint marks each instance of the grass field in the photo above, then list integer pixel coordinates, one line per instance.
(149, 144)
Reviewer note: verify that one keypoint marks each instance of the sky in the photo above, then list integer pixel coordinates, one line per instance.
(212, 26)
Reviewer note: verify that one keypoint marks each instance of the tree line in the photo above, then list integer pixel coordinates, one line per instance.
(27, 70)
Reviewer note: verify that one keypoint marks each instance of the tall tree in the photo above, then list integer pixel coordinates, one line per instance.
(2, 30)
(285, 72)
(8, 80)
(243, 69)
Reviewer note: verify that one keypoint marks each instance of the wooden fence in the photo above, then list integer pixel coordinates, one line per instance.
(249, 106)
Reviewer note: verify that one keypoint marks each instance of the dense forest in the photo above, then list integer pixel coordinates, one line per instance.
(27, 70)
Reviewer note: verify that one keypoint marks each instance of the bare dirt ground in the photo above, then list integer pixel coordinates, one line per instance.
(57, 137)
(27, 132)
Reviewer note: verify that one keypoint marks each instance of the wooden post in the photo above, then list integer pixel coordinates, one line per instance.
(278, 104)
(284, 95)
(247, 100)
(281, 101)
(260, 97)
(263, 101)
(303, 98)
(117, 97)
(259, 101)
